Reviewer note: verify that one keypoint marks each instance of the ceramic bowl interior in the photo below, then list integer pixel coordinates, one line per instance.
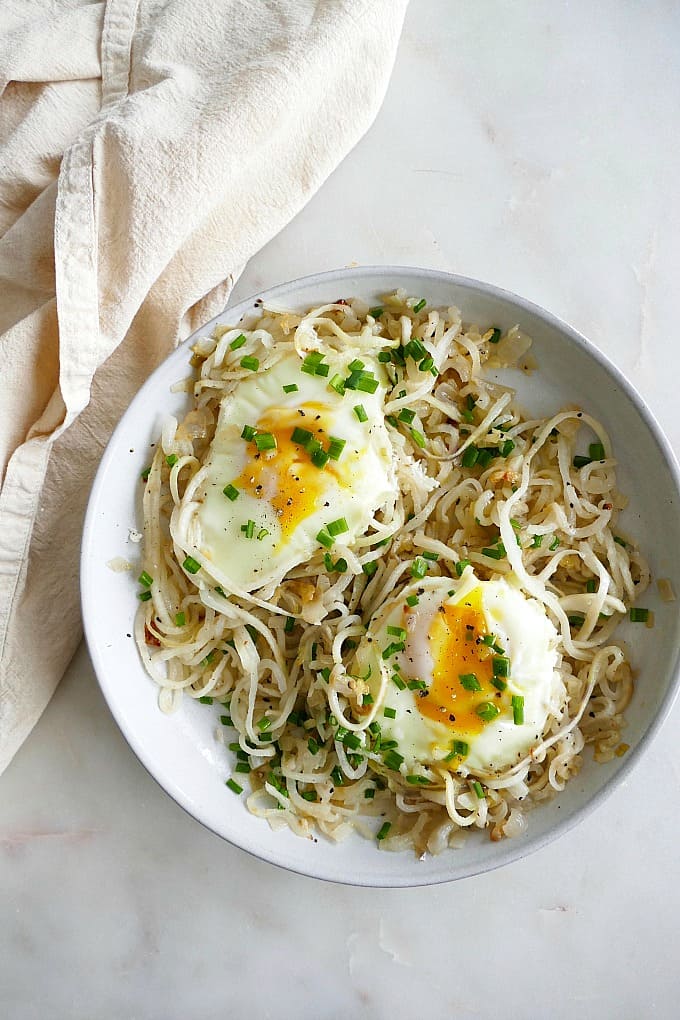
(180, 750)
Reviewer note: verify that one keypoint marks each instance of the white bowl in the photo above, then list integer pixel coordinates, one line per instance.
(180, 750)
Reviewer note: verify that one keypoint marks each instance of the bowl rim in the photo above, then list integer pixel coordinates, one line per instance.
(510, 851)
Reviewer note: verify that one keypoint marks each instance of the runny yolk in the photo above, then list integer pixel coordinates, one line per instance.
(455, 654)
(286, 477)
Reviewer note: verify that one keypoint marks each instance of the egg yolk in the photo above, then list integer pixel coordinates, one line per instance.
(286, 477)
(455, 643)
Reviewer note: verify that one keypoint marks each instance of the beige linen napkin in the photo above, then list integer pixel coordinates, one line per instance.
(147, 149)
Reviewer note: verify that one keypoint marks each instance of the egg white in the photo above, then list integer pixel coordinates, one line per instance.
(208, 524)
(529, 640)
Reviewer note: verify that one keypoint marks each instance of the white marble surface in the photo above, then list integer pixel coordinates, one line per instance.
(533, 145)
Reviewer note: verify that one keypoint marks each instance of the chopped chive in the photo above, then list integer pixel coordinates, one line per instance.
(620, 541)
(536, 542)
(233, 785)
(383, 830)
(580, 461)
(415, 349)
(486, 455)
(412, 601)
(220, 591)
(384, 357)
(369, 568)
(499, 684)
(352, 741)
(427, 364)
(460, 567)
(231, 492)
(171, 459)
(243, 767)
(191, 565)
(301, 436)
(500, 666)
(144, 475)
(369, 793)
(289, 625)
(418, 780)
(249, 362)
(495, 553)
(366, 384)
(390, 713)
(310, 366)
(262, 533)
(391, 420)
(487, 711)
(248, 432)
(335, 447)
(591, 586)
(506, 448)
(226, 720)
(360, 412)
(376, 312)
(326, 674)
(398, 682)
(322, 370)
(248, 529)
(392, 649)
(419, 307)
(180, 619)
(145, 579)
(338, 527)
(367, 699)
(205, 699)
(238, 342)
(309, 795)
(393, 759)
(253, 633)
(418, 567)
(417, 685)
(554, 544)
(324, 539)
(313, 746)
(356, 365)
(320, 458)
(576, 619)
(265, 441)
(407, 415)
(518, 709)
(638, 615)
(470, 456)
(460, 748)
(337, 776)
(397, 632)
(144, 596)
(337, 383)
(596, 451)
(477, 787)
(469, 682)
(431, 556)
(495, 336)
(291, 388)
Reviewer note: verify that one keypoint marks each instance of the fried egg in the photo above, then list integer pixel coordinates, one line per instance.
(295, 467)
(463, 674)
